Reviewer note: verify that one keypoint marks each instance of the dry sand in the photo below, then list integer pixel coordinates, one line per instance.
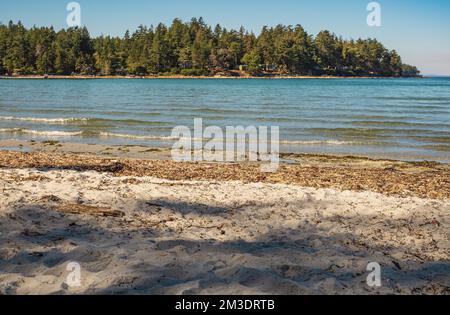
(144, 235)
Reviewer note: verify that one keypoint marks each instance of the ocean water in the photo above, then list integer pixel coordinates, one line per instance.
(405, 119)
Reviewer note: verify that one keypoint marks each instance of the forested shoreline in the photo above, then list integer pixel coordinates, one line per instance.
(194, 49)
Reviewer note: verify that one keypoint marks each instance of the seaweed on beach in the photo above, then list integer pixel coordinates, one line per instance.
(424, 180)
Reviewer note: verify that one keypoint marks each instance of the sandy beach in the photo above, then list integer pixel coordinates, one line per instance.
(217, 157)
(140, 225)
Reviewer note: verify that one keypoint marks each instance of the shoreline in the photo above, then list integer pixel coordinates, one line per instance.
(180, 77)
(389, 177)
(160, 151)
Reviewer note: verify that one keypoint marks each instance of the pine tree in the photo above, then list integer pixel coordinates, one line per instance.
(17, 58)
(193, 48)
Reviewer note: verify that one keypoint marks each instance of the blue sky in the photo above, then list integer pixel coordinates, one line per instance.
(419, 30)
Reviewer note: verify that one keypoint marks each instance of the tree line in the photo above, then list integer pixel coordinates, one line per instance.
(194, 48)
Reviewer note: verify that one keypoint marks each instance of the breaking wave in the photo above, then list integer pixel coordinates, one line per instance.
(138, 137)
(46, 120)
(42, 133)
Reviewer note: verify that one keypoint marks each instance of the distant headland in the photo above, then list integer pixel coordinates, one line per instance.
(193, 49)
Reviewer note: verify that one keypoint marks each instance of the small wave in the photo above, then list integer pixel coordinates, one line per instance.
(432, 139)
(216, 110)
(10, 129)
(127, 122)
(138, 137)
(399, 124)
(45, 120)
(437, 147)
(168, 138)
(82, 121)
(413, 98)
(42, 133)
(321, 142)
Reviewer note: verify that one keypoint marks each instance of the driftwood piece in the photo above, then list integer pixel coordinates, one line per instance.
(89, 210)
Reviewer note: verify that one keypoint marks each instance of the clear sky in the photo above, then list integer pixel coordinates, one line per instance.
(418, 29)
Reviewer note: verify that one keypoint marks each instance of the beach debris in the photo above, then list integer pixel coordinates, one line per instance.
(89, 210)
(424, 180)
(32, 233)
(51, 199)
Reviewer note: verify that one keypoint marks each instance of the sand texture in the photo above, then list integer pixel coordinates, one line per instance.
(188, 233)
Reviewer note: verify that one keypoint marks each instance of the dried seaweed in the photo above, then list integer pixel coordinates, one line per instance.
(425, 180)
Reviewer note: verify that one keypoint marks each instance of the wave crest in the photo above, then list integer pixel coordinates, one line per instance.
(129, 136)
(42, 133)
(45, 120)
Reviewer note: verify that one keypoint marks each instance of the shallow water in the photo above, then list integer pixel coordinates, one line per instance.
(396, 118)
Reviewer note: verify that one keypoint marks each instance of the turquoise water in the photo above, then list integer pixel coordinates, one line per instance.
(396, 118)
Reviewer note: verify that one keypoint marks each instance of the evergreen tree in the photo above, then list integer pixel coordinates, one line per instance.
(41, 46)
(327, 52)
(17, 58)
(194, 48)
(4, 34)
